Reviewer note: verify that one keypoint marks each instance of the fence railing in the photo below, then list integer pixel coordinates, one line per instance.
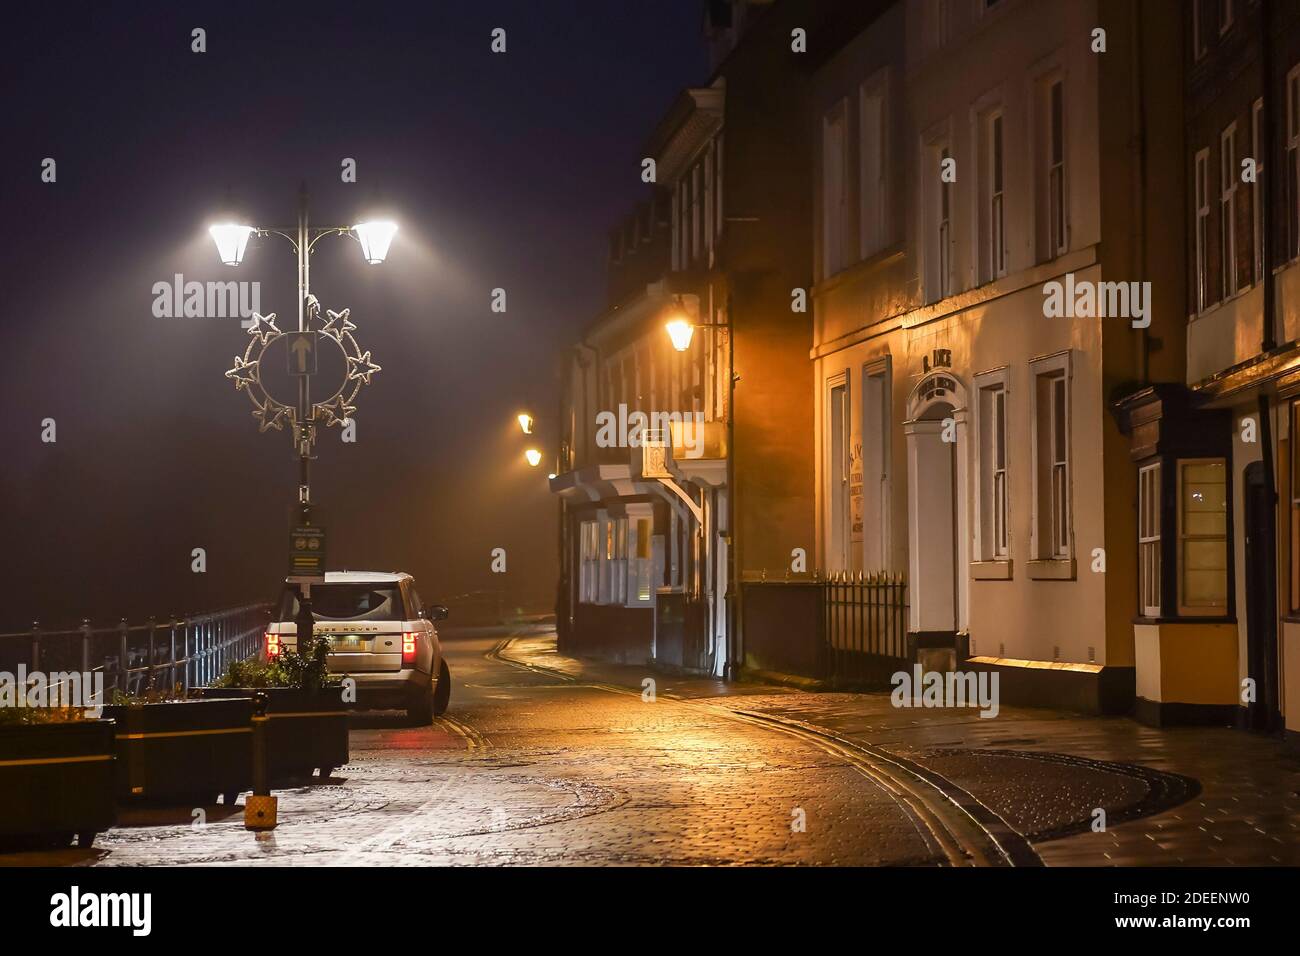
(845, 627)
(189, 651)
(864, 621)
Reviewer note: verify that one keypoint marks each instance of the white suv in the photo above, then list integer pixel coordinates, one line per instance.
(381, 634)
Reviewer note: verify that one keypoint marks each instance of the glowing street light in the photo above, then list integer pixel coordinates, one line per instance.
(231, 240)
(375, 238)
(534, 457)
(526, 422)
(374, 235)
(681, 332)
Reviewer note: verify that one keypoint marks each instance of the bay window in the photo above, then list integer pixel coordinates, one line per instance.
(1202, 536)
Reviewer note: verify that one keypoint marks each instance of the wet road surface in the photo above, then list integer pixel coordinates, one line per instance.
(530, 767)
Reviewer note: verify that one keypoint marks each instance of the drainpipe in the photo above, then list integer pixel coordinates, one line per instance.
(580, 420)
(1271, 172)
(734, 643)
(1138, 132)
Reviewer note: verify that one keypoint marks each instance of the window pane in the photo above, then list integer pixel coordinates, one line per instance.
(1058, 419)
(997, 154)
(1058, 137)
(1000, 429)
(1203, 522)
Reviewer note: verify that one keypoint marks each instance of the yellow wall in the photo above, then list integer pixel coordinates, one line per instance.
(1187, 663)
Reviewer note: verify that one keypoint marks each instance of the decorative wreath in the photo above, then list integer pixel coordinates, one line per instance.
(335, 410)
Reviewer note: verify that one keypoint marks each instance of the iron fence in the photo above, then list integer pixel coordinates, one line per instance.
(189, 651)
(847, 628)
(864, 624)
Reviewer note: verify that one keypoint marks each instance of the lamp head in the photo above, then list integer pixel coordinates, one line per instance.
(231, 239)
(681, 331)
(375, 236)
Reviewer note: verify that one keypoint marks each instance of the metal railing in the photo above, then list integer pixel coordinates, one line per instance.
(864, 622)
(846, 627)
(189, 651)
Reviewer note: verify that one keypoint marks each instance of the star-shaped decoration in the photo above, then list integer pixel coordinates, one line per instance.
(338, 325)
(263, 327)
(336, 411)
(361, 367)
(269, 416)
(244, 373)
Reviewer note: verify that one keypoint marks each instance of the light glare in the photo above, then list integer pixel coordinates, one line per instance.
(680, 331)
(231, 240)
(375, 238)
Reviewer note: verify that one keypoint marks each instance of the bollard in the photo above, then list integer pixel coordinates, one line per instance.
(123, 655)
(85, 645)
(260, 807)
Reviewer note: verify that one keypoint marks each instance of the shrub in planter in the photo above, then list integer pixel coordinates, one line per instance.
(56, 778)
(183, 749)
(308, 727)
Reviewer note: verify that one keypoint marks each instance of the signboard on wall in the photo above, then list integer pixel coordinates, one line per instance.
(855, 493)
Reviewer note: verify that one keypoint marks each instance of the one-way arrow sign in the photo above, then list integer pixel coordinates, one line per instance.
(302, 353)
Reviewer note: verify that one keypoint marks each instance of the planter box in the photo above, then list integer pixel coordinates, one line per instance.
(184, 750)
(56, 781)
(308, 730)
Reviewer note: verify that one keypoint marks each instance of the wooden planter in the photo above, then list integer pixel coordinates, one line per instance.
(56, 782)
(308, 729)
(192, 750)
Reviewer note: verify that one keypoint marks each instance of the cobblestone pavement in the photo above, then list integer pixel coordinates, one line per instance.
(1174, 796)
(532, 769)
(546, 760)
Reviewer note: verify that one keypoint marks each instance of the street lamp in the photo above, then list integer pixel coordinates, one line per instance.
(526, 422)
(375, 236)
(681, 332)
(534, 457)
(231, 240)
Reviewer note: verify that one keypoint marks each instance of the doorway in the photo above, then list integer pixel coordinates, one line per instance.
(933, 492)
(1261, 599)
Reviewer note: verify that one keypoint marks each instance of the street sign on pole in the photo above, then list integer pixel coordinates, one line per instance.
(307, 551)
(301, 353)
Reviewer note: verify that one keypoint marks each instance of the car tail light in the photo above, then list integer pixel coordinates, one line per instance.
(408, 648)
(272, 645)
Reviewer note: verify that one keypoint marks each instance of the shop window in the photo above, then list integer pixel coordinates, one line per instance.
(1149, 563)
(1202, 536)
(589, 570)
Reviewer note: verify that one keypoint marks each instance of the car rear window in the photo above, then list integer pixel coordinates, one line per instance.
(348, 602)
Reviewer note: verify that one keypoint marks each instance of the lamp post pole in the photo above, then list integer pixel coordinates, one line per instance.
(231, 238)
(305, 422)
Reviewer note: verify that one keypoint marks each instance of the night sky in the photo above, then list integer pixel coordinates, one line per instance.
(503, 171)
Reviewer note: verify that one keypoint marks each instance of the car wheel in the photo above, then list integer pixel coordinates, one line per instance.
(442, 695)
(421, 712)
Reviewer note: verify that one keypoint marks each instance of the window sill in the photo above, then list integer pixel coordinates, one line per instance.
(996, 570)
(1186, 619)
(1053, 569)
